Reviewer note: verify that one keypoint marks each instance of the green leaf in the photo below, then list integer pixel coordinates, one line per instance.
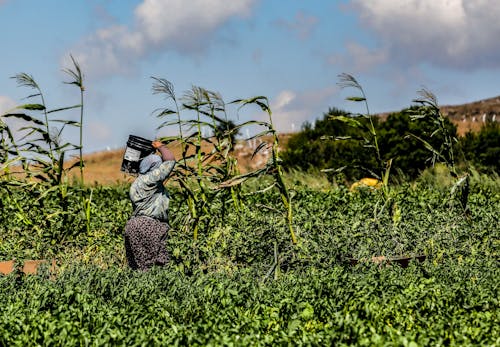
(31, 107)
(25, 117)
(355, 98)
(67, 122)
(261, 101)
(349, 121)
(65, 108)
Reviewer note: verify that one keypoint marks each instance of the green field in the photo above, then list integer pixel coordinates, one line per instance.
(243, 282)
(267, 257)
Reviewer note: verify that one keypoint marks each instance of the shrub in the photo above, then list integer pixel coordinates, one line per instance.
(398, 137)
(483, 148)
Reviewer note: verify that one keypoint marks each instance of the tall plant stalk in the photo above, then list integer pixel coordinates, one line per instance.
(76, 74)
(42, 149)
(348, 81)
(428, 108)
(275, 166)
(208, 174)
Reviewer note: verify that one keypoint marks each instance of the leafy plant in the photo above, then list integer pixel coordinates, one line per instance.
(428, 108)
(77, 80)
(42, 148)
(205, 176)
(42, 151)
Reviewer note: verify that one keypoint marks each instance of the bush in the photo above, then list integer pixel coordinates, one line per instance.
(398, 140)
(482, 149)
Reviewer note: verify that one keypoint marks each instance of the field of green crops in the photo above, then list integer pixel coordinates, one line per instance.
(242, 281)
(266, 257)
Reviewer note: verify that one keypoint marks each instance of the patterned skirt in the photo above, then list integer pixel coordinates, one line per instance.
(145, 239)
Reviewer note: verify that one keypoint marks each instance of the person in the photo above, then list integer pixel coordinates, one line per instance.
(146, 231)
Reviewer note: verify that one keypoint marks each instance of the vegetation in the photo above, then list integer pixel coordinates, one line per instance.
(483, 148)
(248, 285)
(242, 271)
(412, 140)
(216, 172)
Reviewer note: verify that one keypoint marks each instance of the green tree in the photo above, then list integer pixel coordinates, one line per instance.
(483, 148)
(398, 137)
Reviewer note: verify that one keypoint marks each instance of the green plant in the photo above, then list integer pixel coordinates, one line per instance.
(204, 175)
(230, 296)
(308, 149)
(77, 80)
(428, 108)
(370, 136)
(42, 150)
(482, 149)
(8, 148)
(399, 140)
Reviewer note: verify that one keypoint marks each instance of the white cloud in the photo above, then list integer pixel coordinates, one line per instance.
(6, 104)
(448, 33)
(291, 109)
(158, 25)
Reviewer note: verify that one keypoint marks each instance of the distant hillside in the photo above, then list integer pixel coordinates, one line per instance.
(470, 116)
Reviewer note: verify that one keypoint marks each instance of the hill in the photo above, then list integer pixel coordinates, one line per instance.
(470, 116)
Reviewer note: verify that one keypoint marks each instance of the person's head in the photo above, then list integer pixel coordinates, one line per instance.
(149, 163)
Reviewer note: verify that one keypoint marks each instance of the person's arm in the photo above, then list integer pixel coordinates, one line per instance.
(166, 154)
(163, 171)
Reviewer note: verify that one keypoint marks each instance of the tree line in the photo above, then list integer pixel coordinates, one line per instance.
(333, 145)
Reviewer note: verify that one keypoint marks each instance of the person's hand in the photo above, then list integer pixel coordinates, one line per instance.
(157, 144)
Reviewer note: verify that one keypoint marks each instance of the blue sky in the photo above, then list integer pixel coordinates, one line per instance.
(290, 51)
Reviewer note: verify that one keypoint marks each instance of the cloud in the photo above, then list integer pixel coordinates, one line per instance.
(460, 34)
(291, 109)
(302, 25)
(359, 58)
(159, 25)
(6, 104)
(14, 124)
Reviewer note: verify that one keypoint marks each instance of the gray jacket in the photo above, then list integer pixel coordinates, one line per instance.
(148, 195)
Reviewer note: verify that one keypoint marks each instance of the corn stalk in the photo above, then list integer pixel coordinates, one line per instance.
(428, 108)
(207, 175)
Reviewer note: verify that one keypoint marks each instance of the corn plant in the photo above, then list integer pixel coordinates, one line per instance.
(368, 137)
(428, 108)
(41, 151)
(42, 148)
(204, 176)
(77, 80)
(368, 132)
(274, 166)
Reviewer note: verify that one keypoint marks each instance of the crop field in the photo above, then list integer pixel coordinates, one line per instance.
(270, 255)
(243, 282)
